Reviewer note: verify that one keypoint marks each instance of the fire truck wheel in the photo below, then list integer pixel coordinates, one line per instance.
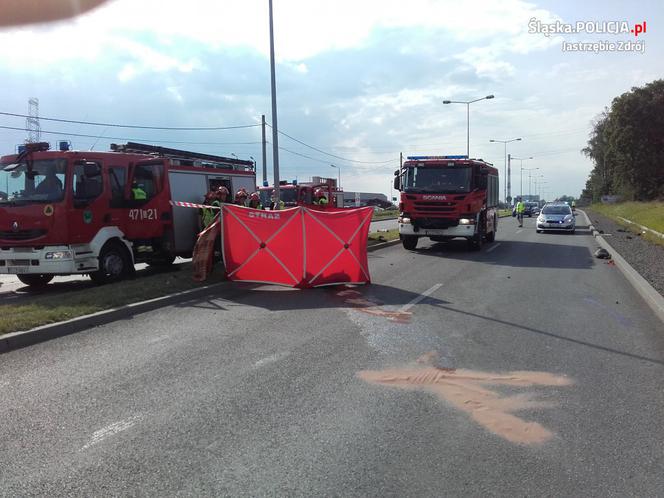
(491, 236)
(409, 242)
(113, 264)
(35, 281)
(475, 243)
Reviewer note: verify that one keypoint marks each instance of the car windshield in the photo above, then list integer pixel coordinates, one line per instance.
(44, 182)
(288, 195)
(437, 179)
(556, 210)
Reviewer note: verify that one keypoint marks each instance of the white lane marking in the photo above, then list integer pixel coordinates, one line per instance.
(419, 298)
(270, 359)
(493, 247)
(111, 430)
(519, 230)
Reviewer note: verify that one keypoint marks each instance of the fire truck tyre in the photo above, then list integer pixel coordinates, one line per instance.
(113, 264)
(475, 243)
(491, 236)
(35, 281)
(409, 242)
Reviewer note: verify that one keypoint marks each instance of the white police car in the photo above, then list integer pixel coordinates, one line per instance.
(556, 216)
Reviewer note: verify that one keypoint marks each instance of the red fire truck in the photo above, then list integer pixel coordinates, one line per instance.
(74, 212)
(444, 197)
(302, 194)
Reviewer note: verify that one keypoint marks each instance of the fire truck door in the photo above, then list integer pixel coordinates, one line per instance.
(147, 209)
(89, 209)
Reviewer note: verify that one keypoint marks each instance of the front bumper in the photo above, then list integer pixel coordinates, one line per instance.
(457, 231)
(556, 226)
(29, 260)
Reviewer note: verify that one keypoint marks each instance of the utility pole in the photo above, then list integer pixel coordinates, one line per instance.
(32, 125)
(275, 133)
(400, 160)
(509, 178)
(265, 184)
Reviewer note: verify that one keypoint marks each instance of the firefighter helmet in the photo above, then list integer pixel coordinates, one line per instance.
(254, 197)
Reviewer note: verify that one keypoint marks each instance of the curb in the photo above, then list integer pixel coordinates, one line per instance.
(653, 298)
(43, 333)
(382, 245)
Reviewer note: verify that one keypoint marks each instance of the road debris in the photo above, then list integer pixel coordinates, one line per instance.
(602, 253)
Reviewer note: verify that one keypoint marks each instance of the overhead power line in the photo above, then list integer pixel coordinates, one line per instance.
(330, 154)
(140, 127)
(131, 139)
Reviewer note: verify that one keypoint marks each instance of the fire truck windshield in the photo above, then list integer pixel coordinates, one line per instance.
(44, 181)
(288, 195)
(446, 180)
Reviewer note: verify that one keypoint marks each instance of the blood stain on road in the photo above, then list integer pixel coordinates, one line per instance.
(467, 391)
(357, 301)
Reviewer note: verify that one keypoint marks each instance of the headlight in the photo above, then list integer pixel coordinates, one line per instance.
(466, 221)
(58, 255)
(404, 220)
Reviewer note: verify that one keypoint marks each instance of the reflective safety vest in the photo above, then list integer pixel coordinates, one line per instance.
(520, 207)
(209, 214)
(322, 201)
(139, 194)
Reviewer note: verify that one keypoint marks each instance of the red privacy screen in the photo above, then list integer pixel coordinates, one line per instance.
(298, 247)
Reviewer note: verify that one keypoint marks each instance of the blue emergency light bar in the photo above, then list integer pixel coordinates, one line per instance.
(422, 158)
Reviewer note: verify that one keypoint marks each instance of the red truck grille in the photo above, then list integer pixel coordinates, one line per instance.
(433, 207)
(22, 234)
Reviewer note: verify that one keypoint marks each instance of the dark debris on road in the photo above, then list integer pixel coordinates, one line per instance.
(644, 256)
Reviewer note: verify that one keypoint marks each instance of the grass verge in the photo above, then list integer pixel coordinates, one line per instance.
(502, 213)
(381, 215)
(53, 307)
(648, 214)
(379, 237)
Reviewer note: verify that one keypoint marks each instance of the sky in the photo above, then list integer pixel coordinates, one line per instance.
(358, 81)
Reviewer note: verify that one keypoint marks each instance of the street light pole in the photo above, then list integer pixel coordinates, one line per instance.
(275, 133)
(528, 170)
(339, 171)
(468, 102)
(521, 171)
(505, 142)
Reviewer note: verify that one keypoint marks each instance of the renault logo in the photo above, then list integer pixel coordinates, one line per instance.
(15, 227)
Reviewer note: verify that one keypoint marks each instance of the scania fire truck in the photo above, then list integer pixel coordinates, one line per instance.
(302, 194)
(80, 212)
(444, 197)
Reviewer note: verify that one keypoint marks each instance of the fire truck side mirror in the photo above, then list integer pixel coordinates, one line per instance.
(397, 183)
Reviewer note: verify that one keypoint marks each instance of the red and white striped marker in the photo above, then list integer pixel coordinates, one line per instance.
(192, 205)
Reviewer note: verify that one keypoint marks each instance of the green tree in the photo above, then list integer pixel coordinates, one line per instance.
(627, 146)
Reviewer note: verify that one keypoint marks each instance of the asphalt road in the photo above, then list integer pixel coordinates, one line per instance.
(12, 287)
(526, 369)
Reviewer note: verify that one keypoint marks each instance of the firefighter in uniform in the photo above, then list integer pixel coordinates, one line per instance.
(254, 201)
(137, 192)
(319, 197)
(241, 197)
(273, 206)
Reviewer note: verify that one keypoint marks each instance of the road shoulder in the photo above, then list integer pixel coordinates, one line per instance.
(650, 294)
